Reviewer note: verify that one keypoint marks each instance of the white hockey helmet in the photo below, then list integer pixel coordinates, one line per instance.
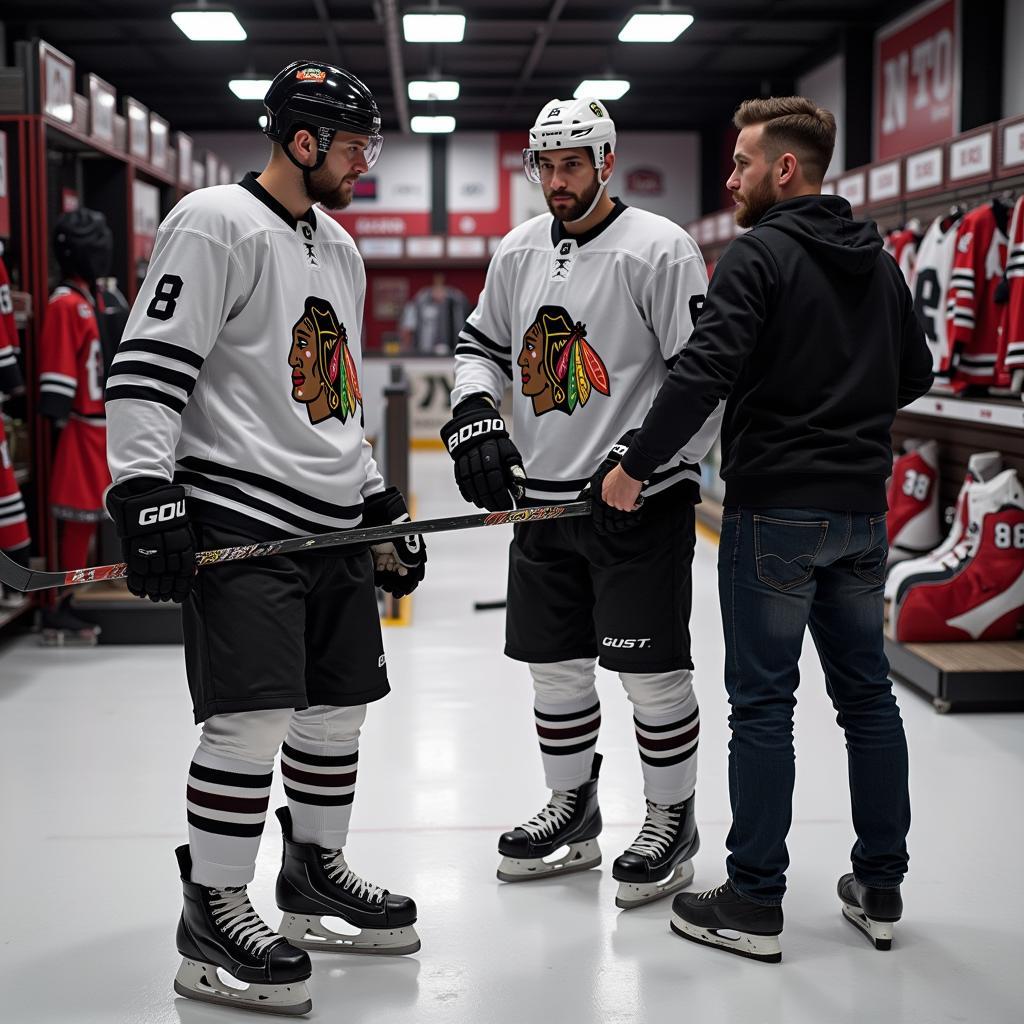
(581, 123)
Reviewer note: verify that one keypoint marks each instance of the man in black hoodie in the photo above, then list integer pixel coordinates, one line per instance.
(808, 336)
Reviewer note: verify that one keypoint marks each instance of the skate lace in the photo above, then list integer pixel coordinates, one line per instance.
(234, 915)
(712, 893)
(341, 874)
(657, 832)
(555, 814)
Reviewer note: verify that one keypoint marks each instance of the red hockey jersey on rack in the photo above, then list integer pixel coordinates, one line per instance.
(902, 246)
(71, 381)
(1011, 341)
(972, 313)
(10, 374)
(13, 523)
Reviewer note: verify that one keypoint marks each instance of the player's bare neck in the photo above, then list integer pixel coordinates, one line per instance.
(284, 182)
(604, 208)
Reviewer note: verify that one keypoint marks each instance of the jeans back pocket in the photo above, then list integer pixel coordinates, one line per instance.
(870, 564)
(785, 550)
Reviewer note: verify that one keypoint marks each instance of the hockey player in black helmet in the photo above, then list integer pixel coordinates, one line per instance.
(236, 413)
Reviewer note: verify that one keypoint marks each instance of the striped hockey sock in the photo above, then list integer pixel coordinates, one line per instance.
(668, 752)
(568, 735)
(227, 803)
(320, 783)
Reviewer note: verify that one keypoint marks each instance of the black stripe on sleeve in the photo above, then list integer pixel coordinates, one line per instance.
(478, 335)
(162, 348)
(143, 394)
(154, 371)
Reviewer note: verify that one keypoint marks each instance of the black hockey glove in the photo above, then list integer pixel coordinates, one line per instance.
(156, 540)
(484, 454)
(606, 519)
(398, 565)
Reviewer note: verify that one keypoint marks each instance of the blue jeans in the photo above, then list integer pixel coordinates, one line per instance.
(781, 571)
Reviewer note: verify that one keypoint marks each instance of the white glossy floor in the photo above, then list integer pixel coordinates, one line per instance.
(94, 746)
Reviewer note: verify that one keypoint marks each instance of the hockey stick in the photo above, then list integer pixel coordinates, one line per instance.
(17, 577)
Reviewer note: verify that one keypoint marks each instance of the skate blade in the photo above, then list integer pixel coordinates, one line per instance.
(198, 980)
(579, 857)
(765, 948)
(312, 934)
(636, 894)
(62, 638)
(879, 932)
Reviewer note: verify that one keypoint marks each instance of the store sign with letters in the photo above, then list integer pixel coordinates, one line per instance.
(1013, 145)
(57, 84)
(853, 189)
(917, 79)
(884, 182)
(924, 170)
(971, 157)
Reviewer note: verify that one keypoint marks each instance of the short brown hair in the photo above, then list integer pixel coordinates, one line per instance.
(793, 124)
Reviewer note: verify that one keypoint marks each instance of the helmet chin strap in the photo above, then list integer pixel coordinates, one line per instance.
(597, 198)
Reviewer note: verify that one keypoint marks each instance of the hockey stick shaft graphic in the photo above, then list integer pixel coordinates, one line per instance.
(17, 577)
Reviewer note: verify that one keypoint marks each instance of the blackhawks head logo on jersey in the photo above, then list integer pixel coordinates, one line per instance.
(323, 371)
(559, 368)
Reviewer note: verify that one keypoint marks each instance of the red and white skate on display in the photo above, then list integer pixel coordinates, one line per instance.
(913, 498)
(981, 597)
(981, 467)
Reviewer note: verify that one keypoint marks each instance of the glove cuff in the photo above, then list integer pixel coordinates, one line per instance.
(144, 505)
(385, 507)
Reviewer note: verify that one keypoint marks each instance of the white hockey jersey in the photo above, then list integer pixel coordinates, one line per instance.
(238, 373)
(585, 327)
(932, 271)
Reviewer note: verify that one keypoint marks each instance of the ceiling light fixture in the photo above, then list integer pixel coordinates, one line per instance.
(433, 26)
(433, 90)
(432, 125)
(655, 26)
(602, 88)
(249, 88)
(204, 24)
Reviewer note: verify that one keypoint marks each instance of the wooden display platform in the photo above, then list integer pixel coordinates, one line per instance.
(962, 677)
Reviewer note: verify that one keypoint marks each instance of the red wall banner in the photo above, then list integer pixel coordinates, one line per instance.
(917, 79)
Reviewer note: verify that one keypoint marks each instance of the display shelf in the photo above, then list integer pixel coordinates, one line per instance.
(9, 615)
(125, 619)
(962, 677)
(1008, 412)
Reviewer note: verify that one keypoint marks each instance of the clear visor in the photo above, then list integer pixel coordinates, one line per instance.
(531, 165)
(373, 148)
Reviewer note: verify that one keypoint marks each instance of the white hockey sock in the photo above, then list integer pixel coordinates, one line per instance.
(568, 717)
(319, 761)
(227, 805)
(667, 722)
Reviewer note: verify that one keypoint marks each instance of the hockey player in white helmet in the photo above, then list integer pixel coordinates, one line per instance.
(583, 311)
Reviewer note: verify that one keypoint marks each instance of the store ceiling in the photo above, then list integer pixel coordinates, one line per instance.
(516, 54)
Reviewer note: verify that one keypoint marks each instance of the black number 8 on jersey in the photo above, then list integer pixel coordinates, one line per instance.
(165, 300)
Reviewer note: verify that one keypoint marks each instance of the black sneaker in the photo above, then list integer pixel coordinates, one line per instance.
(723, 917)
(873, 911)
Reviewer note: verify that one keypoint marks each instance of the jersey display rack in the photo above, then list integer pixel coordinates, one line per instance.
(17, 577)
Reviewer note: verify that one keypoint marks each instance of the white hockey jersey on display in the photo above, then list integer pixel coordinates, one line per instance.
(585, 327)
(238, 374)
(931, 282)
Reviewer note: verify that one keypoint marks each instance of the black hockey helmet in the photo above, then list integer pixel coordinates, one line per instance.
(323, 99)
(83, 244)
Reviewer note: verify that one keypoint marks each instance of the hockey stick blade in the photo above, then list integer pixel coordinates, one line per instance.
(17, 577)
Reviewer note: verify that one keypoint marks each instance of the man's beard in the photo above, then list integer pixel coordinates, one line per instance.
(578, 208)
(329, 192)
(756, 203)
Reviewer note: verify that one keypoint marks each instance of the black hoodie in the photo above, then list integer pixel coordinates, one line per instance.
(808, 334)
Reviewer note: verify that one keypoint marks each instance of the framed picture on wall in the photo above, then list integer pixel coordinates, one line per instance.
(138, 128)
(56, 84)
(102, 106)
(159, 133)
(183, 145)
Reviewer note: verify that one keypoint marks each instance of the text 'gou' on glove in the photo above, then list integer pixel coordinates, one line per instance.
(156, 539)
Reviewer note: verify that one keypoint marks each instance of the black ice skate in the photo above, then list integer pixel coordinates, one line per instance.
(61, 627)
(571, 818)
(873, 911)
(722, 917)
(220, 929)
(315, 883)
(660, 861)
